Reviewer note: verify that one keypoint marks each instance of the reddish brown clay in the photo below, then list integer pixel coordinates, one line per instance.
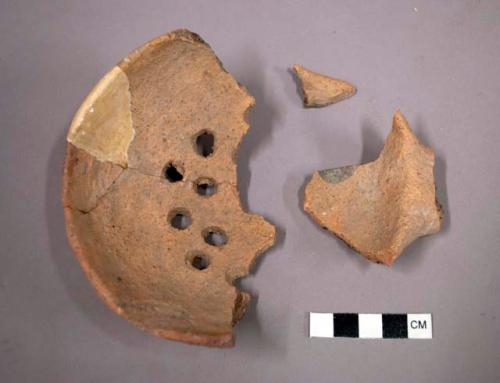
(150, 196)
(380, 207)
(320, 90)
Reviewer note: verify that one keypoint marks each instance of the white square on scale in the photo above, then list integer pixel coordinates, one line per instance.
(370, 326)
(419, 326)
(320, 325)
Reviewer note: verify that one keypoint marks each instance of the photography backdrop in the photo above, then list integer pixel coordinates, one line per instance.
(438, 61)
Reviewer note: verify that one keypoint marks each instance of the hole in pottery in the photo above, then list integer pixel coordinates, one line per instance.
(119, 279)
(206, 187)
(180, 219)
(205, 144)
(173, 173)
(215, 237)
(200, 261)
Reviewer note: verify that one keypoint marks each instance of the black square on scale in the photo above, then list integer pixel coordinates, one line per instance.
(394, 326)
(345, 325)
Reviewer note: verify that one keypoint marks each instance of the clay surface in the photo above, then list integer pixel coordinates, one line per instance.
(320, 90)
(380, 207)
(150, 196)
(103, 124)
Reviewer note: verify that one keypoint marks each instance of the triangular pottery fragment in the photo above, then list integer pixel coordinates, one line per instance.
(320, 90)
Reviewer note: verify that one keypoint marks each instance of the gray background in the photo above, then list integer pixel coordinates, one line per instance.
(437, 61)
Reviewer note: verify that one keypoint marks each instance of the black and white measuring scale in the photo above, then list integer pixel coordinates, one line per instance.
(370, 326)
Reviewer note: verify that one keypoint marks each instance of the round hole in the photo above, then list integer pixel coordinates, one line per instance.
(180, 219)
(205, 187)
(205, 144)
(198, 260)
(173, 173)
(215, 237)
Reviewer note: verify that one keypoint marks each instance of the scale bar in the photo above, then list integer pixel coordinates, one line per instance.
(370, 326)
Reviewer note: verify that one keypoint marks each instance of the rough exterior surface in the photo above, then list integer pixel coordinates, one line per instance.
(173, 279)
(319, 90)
(380, 207)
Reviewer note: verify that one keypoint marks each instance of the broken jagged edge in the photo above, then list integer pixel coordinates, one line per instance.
(380, 207)
(143, 118)
(319, 90)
